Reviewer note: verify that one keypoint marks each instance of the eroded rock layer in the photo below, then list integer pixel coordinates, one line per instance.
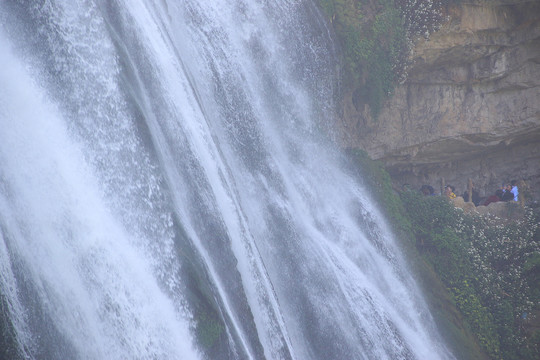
(470, 107)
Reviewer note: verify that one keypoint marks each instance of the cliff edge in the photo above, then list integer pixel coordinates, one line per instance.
(470, 107)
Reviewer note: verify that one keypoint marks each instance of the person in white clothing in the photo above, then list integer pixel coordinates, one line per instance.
(514, 190)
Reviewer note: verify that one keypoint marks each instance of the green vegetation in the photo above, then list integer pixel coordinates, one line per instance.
(208, 326)
(209, 329)
(489, 267)
(8, 343)
(376, 40)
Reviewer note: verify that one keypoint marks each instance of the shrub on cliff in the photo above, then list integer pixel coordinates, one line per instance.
(486, 263)
(376, 37)
(489, 266)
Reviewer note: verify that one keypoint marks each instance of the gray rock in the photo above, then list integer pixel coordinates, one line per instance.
(470, 107)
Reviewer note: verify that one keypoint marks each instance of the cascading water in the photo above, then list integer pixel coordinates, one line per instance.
(167, 192)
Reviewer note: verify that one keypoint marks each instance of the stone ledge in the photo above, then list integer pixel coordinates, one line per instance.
(511, 210)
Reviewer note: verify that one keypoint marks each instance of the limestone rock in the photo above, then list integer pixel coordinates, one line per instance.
(466, 206)
(470, 107)
(504, 210)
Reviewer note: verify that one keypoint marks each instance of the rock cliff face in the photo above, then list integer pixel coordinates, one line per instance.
(470, 107)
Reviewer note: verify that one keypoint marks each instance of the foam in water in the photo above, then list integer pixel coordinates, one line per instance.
(96, 286)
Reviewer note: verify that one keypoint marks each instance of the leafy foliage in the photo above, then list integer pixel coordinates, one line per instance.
(376, 36)
(421, 17)
(377, 179)
(489, 266)
(485, 262)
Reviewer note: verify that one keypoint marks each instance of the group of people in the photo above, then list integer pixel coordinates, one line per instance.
(427, 190)
(507, 192)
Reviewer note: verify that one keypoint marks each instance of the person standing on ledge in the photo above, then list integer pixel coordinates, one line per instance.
(507, 193)
(514, 190)
(449, 192)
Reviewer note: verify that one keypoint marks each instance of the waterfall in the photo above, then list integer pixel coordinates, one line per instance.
(169, 189)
